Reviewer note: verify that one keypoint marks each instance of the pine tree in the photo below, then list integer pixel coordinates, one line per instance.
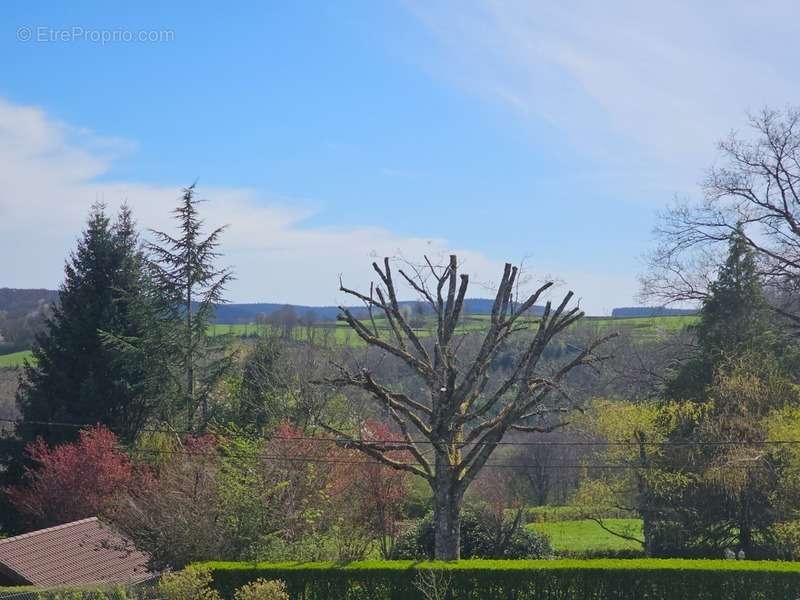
(734, 319)
(190, 285)
(75, 376)
(735, 315)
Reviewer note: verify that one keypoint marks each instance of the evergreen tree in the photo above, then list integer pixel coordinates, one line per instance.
(735, 315)
(734, 319)
(75, 376)
(190, 285)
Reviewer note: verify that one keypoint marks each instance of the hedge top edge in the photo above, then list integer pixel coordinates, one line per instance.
(515, 565)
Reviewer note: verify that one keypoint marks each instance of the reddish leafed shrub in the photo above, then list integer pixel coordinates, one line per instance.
(72, 481)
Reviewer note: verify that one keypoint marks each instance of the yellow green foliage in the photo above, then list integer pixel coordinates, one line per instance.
(189, 584)
(261, 589)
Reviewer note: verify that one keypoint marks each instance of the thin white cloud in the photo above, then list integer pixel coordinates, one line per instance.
(651, 86)
(49, 178)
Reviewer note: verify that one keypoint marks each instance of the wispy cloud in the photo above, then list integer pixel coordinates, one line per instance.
(645, 86)
(48, 180)
(50, 174)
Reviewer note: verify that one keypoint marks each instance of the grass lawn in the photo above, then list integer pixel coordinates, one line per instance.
(588, 536)
(14, 359)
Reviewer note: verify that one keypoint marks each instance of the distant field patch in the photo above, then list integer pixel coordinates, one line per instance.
(588, 536)
(15, 359)
(339, 333)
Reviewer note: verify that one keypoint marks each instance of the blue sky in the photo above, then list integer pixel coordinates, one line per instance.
(325, 133)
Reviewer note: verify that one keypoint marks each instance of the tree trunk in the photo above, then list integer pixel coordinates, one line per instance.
(189, 359)
(745, 526)
(643, 500)
(647, 533)
(446, 512)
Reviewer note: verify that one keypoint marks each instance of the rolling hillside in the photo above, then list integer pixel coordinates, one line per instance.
(238, 319)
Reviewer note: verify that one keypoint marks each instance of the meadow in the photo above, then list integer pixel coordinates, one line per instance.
(340, 333)
(15, 359)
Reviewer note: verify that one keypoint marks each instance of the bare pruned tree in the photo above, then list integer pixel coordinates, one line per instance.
(453, 424)
(755, 188)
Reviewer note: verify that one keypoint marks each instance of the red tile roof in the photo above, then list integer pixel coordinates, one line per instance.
(83, 552)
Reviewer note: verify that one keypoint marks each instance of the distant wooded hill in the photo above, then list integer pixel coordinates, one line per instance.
(16, 303)
(20, 302)
(24, 303)
(22, 313)
(247, 313)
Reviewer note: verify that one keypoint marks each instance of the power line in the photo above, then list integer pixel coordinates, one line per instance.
(314, 439)
(257, 453)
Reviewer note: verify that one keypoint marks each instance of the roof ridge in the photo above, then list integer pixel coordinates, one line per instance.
(46, 530)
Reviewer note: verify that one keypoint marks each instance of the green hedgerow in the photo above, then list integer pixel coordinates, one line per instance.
(654, 579)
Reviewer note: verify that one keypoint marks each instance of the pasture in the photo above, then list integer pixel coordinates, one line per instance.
(339, 333)
(15, 359)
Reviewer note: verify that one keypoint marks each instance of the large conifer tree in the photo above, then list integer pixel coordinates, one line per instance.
(190, 285)
(76, 376)
(734, 319)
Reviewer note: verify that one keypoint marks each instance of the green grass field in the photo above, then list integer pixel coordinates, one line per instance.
(15, 359)
(340, 333)
(588, 536)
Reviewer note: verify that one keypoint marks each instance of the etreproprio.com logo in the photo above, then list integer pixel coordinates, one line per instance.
(43, 34)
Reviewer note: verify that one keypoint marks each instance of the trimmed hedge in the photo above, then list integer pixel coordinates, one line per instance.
(99, 591)
(29, 592)
(602, 579)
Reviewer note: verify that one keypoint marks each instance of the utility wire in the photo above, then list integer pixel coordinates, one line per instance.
(400, 441)
(277, 458)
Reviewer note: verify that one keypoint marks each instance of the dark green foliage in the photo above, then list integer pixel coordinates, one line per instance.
(742, 372)
(734, 319)
(479, 539)
(189, 286)
(734, 316)
(524, 580)
(264, 394)
(77, 377)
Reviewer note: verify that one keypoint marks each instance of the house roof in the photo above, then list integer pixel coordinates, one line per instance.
(78, 553)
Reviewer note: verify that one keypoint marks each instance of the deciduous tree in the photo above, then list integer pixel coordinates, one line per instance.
(452, 422)
(753, 192)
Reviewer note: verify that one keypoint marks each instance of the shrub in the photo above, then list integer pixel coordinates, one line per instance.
(786, 540)
(480, 538)
(654, 579)
(72, 481)
(261, 589)
(189, 584)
